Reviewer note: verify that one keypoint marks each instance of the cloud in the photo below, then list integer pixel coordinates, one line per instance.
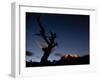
(59, 54)
(41, 44)
(28, 53)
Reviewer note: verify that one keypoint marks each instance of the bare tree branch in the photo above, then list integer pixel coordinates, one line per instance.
(42, 31)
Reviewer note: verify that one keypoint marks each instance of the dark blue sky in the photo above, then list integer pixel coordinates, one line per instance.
(72, 34)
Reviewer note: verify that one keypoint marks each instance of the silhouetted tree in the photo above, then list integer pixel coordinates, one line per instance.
(49, 40)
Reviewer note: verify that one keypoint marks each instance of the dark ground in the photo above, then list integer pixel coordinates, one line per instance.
(63, 61)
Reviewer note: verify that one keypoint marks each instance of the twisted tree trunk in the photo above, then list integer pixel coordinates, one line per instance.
(46, 54)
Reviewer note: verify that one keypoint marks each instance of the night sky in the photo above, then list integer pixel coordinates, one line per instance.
(72, 34)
